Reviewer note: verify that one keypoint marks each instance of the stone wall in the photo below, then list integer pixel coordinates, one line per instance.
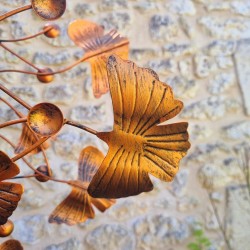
(201, 49)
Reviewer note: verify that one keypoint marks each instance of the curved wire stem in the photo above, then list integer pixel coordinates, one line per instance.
(80, 126)
(14, 12)
(9, 123)
(27, 37)
(19, 114)
(38, 172)
(83, 59)
(21, 58)
(12, 95)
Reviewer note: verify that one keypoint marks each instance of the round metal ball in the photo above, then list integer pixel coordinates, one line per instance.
(45, 78)
(53, 32)
(6, 229)
(44, 170)
(45, 119)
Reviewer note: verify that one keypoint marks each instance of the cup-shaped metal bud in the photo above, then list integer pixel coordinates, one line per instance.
(45, 119)
(49, 9)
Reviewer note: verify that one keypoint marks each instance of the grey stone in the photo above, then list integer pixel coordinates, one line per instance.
(243, 71)
(25, 92)
(209, 152)
(181, 7)
(224, 62)
(116, 20)
(113, 4)
(146, 6)
(227, 28)
(221, 82)
(164, 66)
(69, 143)
(88, 114)
(187, 27)
(62, 94)
(159, 231)
(31, 200)
(179, 184)
(212, 108)
(221, 48)
(17, 29)
(85, 9)
(186, 68)
(15, 3)
(113, 236)
(211, 220)
(163, 28)
(238, 216)
(46, 58)
(204, 65)
(237, 131)
(187, 204)
(175, 50)
(214, 176)
(71, 244)
(32, 229)
(200, 132)
(182, 87)
(143, 54)
(241, 8)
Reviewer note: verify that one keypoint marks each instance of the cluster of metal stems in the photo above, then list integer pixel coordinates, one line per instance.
(51, 31)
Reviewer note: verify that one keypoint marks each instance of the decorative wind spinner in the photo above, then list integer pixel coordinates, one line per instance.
(139, 145)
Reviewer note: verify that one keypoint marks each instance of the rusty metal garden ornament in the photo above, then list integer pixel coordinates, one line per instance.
(139, 145)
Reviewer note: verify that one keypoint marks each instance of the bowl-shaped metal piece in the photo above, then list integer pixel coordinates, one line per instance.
(49, 9)
(45, 119)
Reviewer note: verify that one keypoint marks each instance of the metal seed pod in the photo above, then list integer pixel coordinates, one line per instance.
(45, 119)
(49, 9)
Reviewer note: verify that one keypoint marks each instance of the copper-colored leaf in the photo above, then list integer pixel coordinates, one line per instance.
(8, 169)
(10, 195)
(11, 245)
(77, 206)
(27, 139)
(98, 46)
(137, 144)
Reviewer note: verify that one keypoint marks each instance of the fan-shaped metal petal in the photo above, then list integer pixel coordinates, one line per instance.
(137, 144)
(77, 206)
(98, 47)
(10, 195)
(27, 139)
(8, 169)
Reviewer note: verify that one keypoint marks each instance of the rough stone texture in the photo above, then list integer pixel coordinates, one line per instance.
(196, 47)
(238, 203)
(243, 65)
(110, 237)
(159, 231)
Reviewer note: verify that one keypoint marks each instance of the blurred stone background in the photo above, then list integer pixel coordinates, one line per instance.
(202, 49)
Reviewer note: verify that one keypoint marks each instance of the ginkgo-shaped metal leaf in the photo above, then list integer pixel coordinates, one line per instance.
(10, 193)
(98, 47)
(27, 139)
(137, 144)
(11, 245)
(77, 206)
